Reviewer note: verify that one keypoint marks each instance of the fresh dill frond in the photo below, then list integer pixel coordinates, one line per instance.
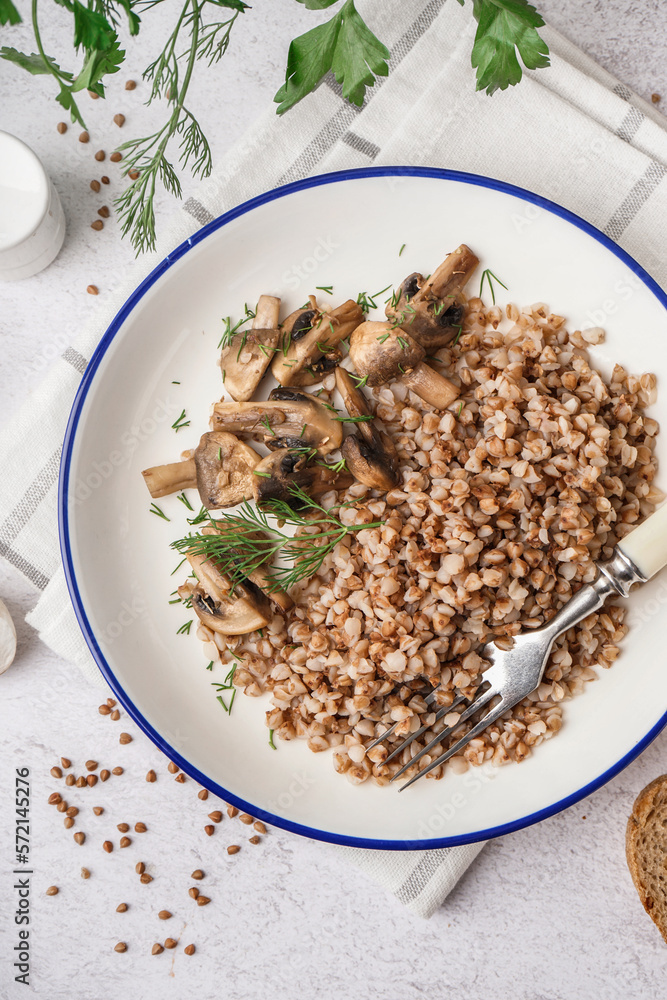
(184, 500)
(246, 541)
(154, 509)
(180, 422)
(490, 277)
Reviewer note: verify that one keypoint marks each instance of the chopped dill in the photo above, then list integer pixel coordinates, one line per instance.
(154, 509)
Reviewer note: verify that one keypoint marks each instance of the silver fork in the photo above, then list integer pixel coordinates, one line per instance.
(515, 673)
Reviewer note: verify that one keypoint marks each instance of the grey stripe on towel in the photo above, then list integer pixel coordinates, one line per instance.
(30, 500)
(76, 360)
(335, 128)
(362, 145)
(419, 877)
(638, 196)
(198, 211)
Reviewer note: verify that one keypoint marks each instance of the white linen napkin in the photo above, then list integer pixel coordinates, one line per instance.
(571, 133)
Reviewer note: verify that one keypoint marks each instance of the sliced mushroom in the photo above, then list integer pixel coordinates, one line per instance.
(224, 469)
(282, 470)
(382, 352)
(230, 617)
(164, 479)
(256, 585)
(431, 308)
(246, 358)
(369, 454)
(287, 419)
(244, 610)
(308, 334)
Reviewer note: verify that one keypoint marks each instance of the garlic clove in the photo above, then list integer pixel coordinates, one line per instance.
(7, 639)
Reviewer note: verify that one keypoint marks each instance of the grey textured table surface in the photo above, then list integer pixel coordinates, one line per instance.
(549, 912)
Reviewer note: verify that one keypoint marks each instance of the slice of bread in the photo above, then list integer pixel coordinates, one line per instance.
(646, 850)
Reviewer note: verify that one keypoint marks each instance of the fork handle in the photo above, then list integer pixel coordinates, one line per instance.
(646, 546)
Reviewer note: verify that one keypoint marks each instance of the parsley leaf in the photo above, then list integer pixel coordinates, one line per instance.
(344, 44)
(317, 4)
(503, 26)
(33, 63)
(9, 13)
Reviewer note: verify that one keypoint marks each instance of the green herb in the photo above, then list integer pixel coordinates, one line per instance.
(355, 420)
(344, 45)
(303, 430)
(503, 26)
(245, 542)
(401, 369)
(227, 685)
(198, 518)
(394, 298)
(176, 600)
(243, 343)
(324, 348)
(368, 302)
(328, 406)
(174, 571)
(340, 466)
(210, 665)
(460, 410)
(229, 331)
(403, 342)
(271, 743)
(265, 421)
(383, 337)
(490, 277)
(180, 422)
(175, 383)
(200, 35)
(438, 308)
(182, 497)
(154, 509)
(361, 382)
(401, 250)
(224, 376)
(325, 288)
(184, 629)
(458, 335)
(264, 475)
(170, 76)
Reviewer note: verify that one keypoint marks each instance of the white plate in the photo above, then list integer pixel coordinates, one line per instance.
(344, 230)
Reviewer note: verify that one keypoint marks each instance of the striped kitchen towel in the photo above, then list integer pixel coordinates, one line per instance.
(571, 133)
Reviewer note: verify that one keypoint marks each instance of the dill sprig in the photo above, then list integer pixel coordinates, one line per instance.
(154, 509)
(246, 541)
(180, 422)
(368, 302)
(490, 277)
(226, 685)
(148, 155)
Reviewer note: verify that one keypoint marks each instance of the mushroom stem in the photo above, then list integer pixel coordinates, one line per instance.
(452, 275)
(164, 479)
(432, 387)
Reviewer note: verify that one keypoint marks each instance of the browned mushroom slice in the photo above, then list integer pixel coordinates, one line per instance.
(382, 352)
(370, 455)
(277, 475)
(237, 616)
(245, 359)
(257, 579)
(221, 597)
(164, 479)
(308, 334)
(287, 419)
(224, 469)
(431, 308)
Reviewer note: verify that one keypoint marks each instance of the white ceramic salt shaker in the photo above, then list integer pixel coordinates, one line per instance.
(32, 222)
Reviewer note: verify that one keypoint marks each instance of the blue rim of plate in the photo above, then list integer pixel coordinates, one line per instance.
(63, 514)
